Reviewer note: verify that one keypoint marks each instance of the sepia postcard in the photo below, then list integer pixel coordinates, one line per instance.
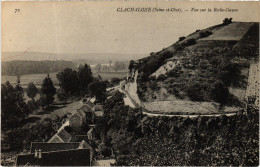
(130, 83)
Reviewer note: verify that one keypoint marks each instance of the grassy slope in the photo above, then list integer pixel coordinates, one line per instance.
(233, 36)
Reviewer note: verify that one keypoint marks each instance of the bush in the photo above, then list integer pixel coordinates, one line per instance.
(204, 34)
(33, 105)
(227, 21)
(195, 92)
(115, 81)
(62, 95)
(189, 42)
(181, 39)
(161, 77)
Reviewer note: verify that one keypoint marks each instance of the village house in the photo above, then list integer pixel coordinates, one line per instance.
(60, 137)
(57, 154)
(98, 110)
(78, 119)
(89, 113)
(60, 151)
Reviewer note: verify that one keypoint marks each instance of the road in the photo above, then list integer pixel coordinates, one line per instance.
(130, 102)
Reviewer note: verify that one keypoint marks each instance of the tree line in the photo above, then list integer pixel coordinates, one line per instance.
(20, 67)
(72, 83)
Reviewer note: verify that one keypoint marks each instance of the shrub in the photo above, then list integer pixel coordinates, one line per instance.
(190, 42)
(62, 95)
(181, 39)
(33, 105)
(204, 34)
(227, 21)
(161, 77)
(115, 81)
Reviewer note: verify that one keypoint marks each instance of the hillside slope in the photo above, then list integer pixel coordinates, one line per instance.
(209, 65)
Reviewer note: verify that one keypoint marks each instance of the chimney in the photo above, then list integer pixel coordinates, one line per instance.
(40, 154)
(35, 154)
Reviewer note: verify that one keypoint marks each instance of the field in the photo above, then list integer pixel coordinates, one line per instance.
(233, 31)
(37, 79)
(109, 75)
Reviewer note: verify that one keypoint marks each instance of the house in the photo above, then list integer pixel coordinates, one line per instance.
(98, 109)
(77, 119)
(60, 137)
(57, 154)
(107, 162)
(48, 147)
(91, 134)
(90, 115)
(78, 138)
(90, 104)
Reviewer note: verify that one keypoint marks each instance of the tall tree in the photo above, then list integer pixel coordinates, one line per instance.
(69, 81)
(85, 76)
(47, 91)
(131, 65)
(13, 106)
(98, 89)
(32, 90)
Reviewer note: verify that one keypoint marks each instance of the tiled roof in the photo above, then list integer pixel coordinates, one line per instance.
(47, 147)
(79, 138)
(84, 145)
(62, 135)
(98, 107)
(86, 108)
(90, 104)
(65, 136)
(81, 113)
(77, 157)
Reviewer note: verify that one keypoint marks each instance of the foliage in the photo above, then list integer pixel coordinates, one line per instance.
(62, 95)
(161, 77)
(189, 42)
(40, 131)
(32, 90)
(204, 34)
(220, 93)
(98, 89)
(131, 65)
(47, 92)
(181, 39)
(175, 141)
(33, 105)
(74, 82)
(227, 21)
(84, 76)
(69, 81)
(115, 81)
(13, 107)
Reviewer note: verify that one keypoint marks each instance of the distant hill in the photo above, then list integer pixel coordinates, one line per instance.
(207, 65)
(19, 67)
(91, 58)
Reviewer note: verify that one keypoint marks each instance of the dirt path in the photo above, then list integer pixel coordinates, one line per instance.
(190, 116)
(131, 103)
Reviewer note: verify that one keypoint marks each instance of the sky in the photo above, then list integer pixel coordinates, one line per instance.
(97, 27)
